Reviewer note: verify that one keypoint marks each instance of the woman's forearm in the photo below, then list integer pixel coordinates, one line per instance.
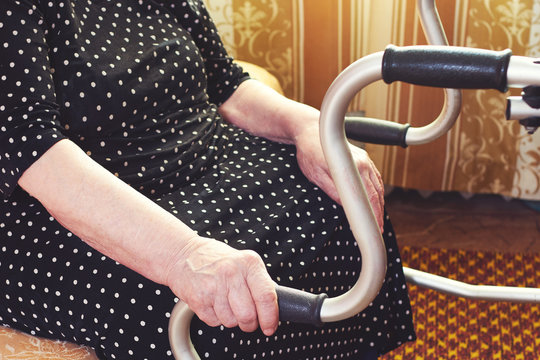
(123, 224)
(105, 212)
(262, 111)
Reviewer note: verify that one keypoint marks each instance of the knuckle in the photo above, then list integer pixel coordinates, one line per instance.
(248, 327)
(201, 300)
(251, 256)
(229, 322)
(208, 317)
(199, 309)
(266, 297)
(252, 261)
(247, 316)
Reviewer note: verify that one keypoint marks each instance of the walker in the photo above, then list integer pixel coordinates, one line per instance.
(436, 65)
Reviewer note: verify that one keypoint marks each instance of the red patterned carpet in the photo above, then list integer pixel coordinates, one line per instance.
(454, 328)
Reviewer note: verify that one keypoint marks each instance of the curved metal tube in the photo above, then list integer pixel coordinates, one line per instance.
(523, 71)
(179, 336)
(435, 34)
(518, 109)
(351, 189)
(431, 22)
(470, 291)
(355, 203)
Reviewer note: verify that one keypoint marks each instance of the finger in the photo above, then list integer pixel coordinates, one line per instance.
(201, 302)
(373, 184)
(374, 199)
(224, 313)
(264, 295)
(243, 307)
(379, 186)
(377, 200)
(265, 298)
(329, 187)
(324, 181)
(380, 191)
(208, 316)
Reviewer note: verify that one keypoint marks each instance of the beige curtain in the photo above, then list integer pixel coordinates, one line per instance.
(306, 43)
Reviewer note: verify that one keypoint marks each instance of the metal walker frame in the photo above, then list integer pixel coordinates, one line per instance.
(437, 65)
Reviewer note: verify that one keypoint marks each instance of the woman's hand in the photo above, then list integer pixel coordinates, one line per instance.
(313, 164)
(225, 286)
(261, 111)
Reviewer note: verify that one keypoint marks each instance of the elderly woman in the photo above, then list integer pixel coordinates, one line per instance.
(140, 166)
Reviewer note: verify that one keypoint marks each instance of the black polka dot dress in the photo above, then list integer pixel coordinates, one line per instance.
(136, 84)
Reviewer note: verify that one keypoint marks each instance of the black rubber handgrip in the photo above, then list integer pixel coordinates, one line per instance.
(375, 131)
(299, 306)
(531, 96)
(447, 67)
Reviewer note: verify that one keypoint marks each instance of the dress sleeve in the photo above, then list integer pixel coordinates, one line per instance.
(223, 74)
(29, 117)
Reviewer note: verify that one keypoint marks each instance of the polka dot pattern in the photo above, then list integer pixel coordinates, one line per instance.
(136, 84)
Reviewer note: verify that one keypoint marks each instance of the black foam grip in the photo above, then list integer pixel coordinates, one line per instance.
(447, 67)
(299, 306)
(531, 96)
(375, 131)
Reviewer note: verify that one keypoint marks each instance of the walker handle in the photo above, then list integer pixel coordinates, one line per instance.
(375, 131)
(299, 306)
(447, 67)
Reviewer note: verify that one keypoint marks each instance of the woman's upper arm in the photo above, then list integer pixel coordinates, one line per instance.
(29, 117)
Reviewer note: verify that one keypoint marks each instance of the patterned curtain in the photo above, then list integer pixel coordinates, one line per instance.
(306, 43)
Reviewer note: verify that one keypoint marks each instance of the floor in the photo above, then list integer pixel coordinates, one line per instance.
(449, 220)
